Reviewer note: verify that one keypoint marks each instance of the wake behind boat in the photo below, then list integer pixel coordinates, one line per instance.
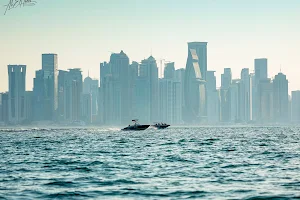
(135, 127)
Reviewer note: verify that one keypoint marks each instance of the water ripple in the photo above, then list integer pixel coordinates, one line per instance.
(176, 163)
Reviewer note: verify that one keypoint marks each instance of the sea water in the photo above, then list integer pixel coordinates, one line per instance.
(175, 163)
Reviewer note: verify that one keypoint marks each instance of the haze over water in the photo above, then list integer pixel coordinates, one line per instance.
(176, 163)
(236, 32)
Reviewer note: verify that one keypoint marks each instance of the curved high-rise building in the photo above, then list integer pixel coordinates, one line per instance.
(194, 89)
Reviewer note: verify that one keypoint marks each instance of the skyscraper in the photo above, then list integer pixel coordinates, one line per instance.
(115, 81)
(295, 106)
(4, 101)
(213, 104)
(142, 100)
(261, 68)
(280, 98)
(134, 74)
(147, 91)
(252, 96)
(180, 76)
(70, 96)
(86, 108)
(90, 86)
(104, 71)
(1, 117)
(226, 78)
(234, 91)
(62, 89)
(169, 71)
(166, 100)
(73, 95)
(177, 102)
(265, 101)
(195, 94)
(105, 94)
(106, 100)
(28, 106)
(170, 96)
(119, 63)
(41, 108)
(225, 96)
(16, 94)
(244, 97)
(50, 68)
(201, 51)
(261, 74)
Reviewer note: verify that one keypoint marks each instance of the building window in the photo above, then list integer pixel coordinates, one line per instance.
(12, 108)
(22, 107)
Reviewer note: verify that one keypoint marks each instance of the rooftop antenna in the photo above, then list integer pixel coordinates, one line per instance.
(88, 73)
(280, 68)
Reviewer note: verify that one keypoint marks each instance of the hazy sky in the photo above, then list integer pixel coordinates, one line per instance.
(84, 33)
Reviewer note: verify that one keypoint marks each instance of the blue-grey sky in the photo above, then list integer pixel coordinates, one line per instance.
(83, 33)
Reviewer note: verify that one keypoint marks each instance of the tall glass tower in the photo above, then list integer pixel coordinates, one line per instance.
(195, 109)
(280, 98)
(261, 75)
(50, 68)
(16, 94)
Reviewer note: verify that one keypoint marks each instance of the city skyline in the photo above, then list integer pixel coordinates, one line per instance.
(160, 63)
(237, 33)
(135, 91)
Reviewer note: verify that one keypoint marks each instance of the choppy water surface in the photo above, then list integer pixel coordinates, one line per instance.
(176, 163)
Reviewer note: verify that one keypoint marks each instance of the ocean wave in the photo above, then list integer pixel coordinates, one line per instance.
(67, 195)
(61, 183)
(177, 163)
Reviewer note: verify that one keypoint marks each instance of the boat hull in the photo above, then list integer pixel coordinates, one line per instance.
(136, 128)
(161, 126)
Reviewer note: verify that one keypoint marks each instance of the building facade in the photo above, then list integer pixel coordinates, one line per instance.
(170, 97)
(244, 97)
(169, 71)
(4, 110)
(62, 89)
(234, 100)
(90, 86)
(260, 74)
(73, 95)
(280, 98)
(16, 94)
(86, 108)
(265, 112)
(147, 91)
(295, 107)
(119, 63)
(195, 108)
(225, 96)
(213, 103)
(50, 68)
